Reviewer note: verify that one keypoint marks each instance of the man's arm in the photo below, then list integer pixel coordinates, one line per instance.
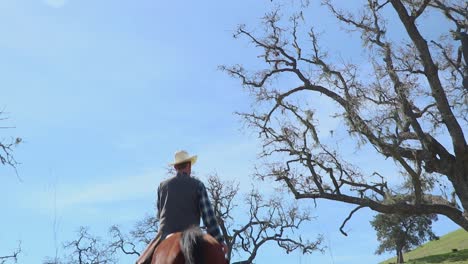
(208, 215)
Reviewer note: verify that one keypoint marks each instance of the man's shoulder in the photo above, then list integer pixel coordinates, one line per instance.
(198, 181)
(167, 181)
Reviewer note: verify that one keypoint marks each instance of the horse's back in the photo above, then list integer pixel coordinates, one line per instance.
(213, 251)
(169, 251)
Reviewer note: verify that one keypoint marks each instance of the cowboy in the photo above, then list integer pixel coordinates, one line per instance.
(181, 201)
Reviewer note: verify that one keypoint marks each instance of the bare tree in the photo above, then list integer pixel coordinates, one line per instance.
(413, 108)
(86, 249)
(268, 220)
(121, 242)
(146, 229)
(138, 238)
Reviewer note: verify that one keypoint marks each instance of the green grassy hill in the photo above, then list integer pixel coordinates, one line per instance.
(440, 251)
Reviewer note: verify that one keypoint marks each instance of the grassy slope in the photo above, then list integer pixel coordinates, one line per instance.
(439, 251)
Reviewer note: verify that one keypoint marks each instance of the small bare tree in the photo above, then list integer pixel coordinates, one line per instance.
(121, 242)
(413, 108)
(146, 229)
(86, 249)
(267, 220)
(90, 249)
(139, 237)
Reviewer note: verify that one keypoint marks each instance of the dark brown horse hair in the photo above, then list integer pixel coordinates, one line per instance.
(191, 245)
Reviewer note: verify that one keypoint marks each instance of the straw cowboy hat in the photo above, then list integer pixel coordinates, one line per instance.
(182, 156)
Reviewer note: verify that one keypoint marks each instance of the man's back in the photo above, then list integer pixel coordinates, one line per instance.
(178, 204)
(182, 200)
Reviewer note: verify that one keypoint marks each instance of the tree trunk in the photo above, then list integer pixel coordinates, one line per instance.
(399, 255)
(459, 178)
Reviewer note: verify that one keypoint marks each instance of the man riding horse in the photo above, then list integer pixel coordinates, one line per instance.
(181, 201)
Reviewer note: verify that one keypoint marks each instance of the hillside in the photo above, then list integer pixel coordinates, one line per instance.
(440, 251)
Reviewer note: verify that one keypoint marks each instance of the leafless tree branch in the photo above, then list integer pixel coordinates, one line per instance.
(269, 220)
(13, 257)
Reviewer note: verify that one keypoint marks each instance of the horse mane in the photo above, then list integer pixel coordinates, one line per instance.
(191, 244)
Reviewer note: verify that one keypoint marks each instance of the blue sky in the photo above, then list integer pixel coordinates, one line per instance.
(103, 94)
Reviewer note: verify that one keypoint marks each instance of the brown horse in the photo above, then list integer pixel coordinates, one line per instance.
(189, 247)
